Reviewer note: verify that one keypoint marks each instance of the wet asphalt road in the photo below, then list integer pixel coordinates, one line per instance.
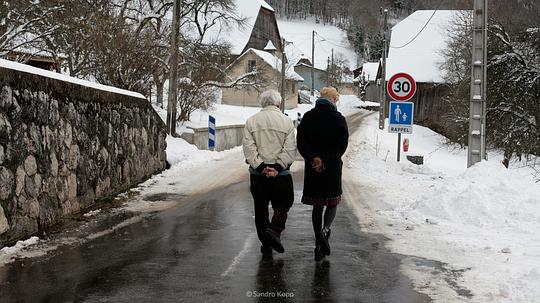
(206, 250)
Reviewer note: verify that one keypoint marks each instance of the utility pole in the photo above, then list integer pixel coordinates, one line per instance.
(173, 72)
(283, 82)
(333, 69)
(383, 103)
(328, 72)
(312, 63)
(477, 115)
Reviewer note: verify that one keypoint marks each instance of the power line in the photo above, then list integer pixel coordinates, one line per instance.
(421, 30)
(333, 43)
(418, 34)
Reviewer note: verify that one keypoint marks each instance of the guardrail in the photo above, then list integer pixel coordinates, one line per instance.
(226, 137)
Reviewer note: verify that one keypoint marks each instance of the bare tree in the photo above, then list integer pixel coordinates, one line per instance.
(338, 70)
(513, 91)
(25, 23)
(204, 68)
(125, 43)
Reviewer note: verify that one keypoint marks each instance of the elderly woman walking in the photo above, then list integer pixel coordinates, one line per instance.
(322, 140)
(269, 145)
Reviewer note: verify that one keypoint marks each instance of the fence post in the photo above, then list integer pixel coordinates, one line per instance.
(211, 133)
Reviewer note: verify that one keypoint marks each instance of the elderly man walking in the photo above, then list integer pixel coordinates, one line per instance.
(269, 145)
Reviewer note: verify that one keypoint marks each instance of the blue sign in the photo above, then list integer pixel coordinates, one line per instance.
(400, 116)
(211, 132)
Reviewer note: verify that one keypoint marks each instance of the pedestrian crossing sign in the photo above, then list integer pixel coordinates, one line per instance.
(401, 117)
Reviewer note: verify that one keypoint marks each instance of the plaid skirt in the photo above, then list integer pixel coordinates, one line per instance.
(321, 201)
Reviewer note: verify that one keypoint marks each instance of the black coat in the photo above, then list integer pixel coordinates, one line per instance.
(323, 133)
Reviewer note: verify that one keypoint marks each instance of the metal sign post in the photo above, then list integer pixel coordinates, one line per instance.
(401, 87)
(400, 119)
(382, 106)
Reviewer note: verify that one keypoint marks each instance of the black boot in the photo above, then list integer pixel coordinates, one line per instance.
(319, 255)
(325, 245)
(274, 240)
(266, 250)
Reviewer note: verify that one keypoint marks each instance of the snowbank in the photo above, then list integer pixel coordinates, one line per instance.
(486, 195)
(483, 221)
(8, 253)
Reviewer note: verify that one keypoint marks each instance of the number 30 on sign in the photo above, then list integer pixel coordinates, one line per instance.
(401, 87)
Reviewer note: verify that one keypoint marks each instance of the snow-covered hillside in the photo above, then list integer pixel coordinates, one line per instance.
(327, 37)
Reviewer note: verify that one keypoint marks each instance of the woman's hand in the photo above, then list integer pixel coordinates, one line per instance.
(317, 164)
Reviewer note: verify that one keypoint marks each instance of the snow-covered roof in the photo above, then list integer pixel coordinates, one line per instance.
(303, 60)
(369, 70)
(309, 66)
(275, 63)
(422, 57)
(232, 33)
(53, 75)
(34, 52)
(328, 37)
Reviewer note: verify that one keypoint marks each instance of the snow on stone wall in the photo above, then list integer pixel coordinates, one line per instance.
(63, 146)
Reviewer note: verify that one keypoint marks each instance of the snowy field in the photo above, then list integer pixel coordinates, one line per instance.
(483, 222)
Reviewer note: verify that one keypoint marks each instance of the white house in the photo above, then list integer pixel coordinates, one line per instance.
(415, 48)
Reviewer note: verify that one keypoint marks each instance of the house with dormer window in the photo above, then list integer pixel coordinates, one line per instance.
(256, 46)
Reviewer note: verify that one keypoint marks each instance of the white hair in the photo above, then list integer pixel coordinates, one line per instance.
(270, 97)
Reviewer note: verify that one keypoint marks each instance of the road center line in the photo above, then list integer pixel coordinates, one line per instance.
(240, 255)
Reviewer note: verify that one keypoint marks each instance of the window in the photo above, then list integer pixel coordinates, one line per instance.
(252, 65)
(293, 87)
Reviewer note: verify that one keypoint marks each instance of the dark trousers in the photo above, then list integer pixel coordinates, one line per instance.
(279, 192)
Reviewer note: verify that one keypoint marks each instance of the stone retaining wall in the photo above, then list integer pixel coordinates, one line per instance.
(63, 146)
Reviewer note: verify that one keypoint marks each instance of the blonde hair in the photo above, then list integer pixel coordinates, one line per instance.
(329, 92)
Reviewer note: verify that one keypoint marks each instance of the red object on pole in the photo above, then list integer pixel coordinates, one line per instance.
(406, 145)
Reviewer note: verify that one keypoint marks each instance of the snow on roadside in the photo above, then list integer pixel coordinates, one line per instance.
(482, 221)
(188, 164)
(8, 253)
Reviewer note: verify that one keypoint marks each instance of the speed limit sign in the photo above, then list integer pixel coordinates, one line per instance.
(401, 87)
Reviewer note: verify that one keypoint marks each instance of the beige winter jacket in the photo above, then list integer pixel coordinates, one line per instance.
(269, 137)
